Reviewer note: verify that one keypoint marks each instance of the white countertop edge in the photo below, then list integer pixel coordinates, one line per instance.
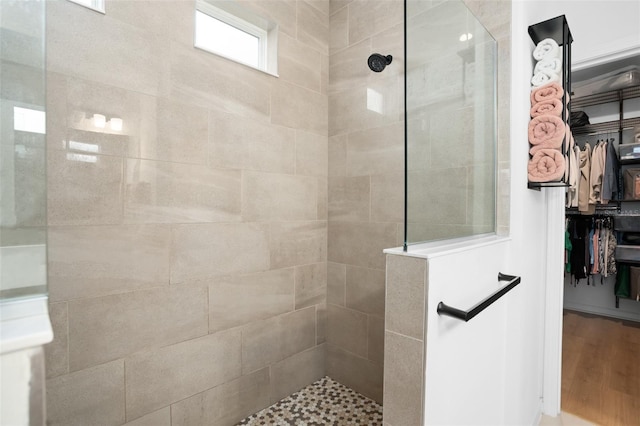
(24, 324)
(446, 247)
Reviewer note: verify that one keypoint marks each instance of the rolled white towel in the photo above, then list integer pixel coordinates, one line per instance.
(543, 77)
(546, 49)
(552, 64)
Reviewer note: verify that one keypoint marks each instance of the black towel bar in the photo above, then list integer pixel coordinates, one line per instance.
(467, 315)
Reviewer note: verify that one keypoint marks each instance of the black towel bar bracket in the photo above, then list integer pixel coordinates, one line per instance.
(467, 315)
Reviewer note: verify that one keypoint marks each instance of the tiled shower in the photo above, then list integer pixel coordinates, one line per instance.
(223, 249)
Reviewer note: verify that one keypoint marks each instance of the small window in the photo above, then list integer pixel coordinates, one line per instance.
(97, 5)
(226, 30)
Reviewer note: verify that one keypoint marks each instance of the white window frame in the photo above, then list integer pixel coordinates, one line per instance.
(97, 5)
(266, 33)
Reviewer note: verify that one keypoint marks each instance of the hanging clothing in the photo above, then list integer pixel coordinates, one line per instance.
(584, 185)
(579, 234)
(573, 173)
(611, 267)
(596, 173)
(567, 248)
(610, 178)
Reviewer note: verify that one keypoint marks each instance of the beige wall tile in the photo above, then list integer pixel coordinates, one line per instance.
(324, 75)
(403, 375)
(444, 189)
(85, 98)
(375, 341)
(163, 376)
(387, 198)
(365, 290)
(172, 19)
(406, 295)
(57, 352)
(298, 243)
(321, 5)
(299, 108)
(339, 34)
(226, 404)
(365, 107)
(137, 320)
(313, 27)
(336, 283)
(369, 17)
(376, 151)
(293, 373)
(348, 66)
(311, 154)
(161, 417)
(56, 104)
(347, 329)
(360, 244)
(282, 12)
(335, 5)
(202, 251)
(278, 197)
(204, 79)
(311, 284)
(277, 338)
(84, 193)
(349, 198)
(359, 374)
(88, 397)
(323, 198)
(239, 300)
(92, 261)
(88, 142)
(298, 64)
(170, 131)
(338, 155)
(239, 143)
(321, 323)
(177, 193)
(109, 51)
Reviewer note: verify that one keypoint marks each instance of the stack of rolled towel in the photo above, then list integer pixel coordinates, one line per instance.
(547, 130)
(548, 68)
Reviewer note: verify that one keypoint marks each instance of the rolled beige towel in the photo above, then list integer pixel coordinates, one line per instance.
(548, 107)
(546, 92)
(546, 165)
(546, 131)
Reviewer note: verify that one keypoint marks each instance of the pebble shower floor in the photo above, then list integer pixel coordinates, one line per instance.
(325, 402)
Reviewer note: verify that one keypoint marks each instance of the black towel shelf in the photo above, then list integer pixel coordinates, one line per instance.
(467, 315)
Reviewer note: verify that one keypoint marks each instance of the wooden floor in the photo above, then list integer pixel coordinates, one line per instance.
(601, 369)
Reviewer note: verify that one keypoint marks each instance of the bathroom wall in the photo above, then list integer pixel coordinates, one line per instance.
(366, 177)
(187, 251)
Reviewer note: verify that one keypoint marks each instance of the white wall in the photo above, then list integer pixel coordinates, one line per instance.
(602, 30)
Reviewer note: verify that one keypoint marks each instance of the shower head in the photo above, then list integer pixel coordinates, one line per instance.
(377, 62)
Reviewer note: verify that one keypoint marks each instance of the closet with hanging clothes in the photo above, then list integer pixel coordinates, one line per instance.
(602, 236)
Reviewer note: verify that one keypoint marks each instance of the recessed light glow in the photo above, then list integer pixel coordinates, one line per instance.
(466, 37)
(99, 121)
(116, 124)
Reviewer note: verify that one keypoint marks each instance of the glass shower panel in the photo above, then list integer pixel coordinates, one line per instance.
(451, 68)
(22, 149)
